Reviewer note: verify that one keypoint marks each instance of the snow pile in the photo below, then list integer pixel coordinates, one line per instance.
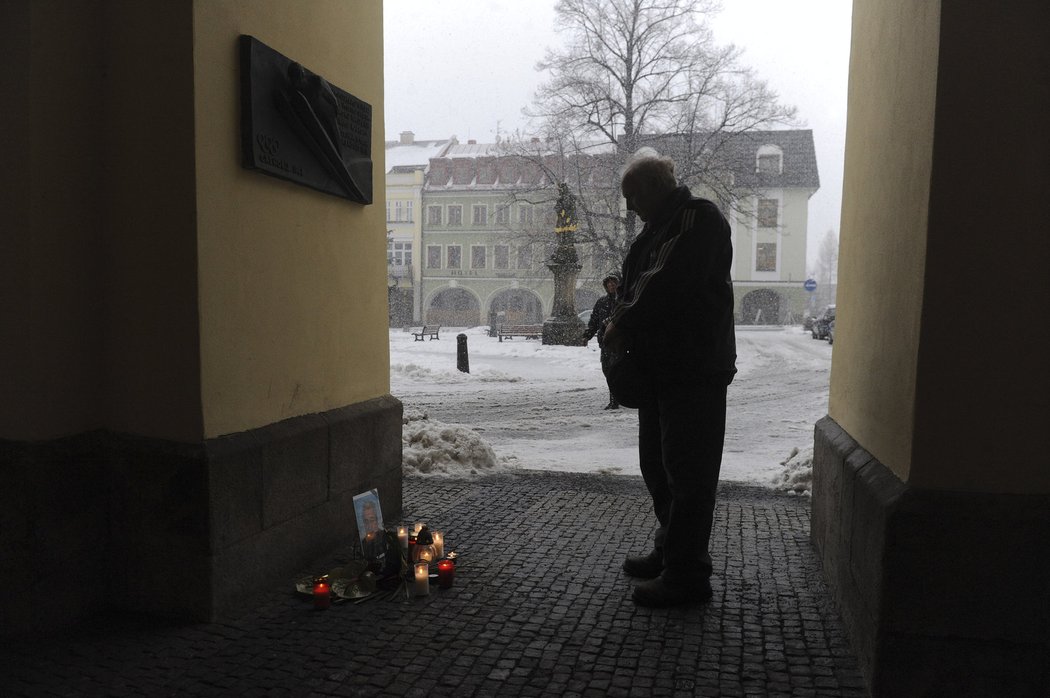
(438, 376)
(430, 447)
(796, 476)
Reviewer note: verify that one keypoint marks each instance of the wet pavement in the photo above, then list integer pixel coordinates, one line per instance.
(539, 607)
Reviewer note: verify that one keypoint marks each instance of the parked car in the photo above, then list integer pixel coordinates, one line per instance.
(807, 323)
(823, 321)
(831, 332)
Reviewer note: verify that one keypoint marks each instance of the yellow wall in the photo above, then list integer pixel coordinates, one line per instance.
(150, 284)
(50, 348)
(889, 154)
(102, 290)
(982, 391)
(152, 375)
(939, 367)
(293, 297)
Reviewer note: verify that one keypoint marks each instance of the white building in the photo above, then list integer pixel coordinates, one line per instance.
(407, 160)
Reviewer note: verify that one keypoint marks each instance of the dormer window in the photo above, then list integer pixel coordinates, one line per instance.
(769, 160)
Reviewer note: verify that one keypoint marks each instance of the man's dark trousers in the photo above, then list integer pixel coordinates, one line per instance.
(680, 439)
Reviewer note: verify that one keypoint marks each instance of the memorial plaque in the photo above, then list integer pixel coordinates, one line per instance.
(297, 126)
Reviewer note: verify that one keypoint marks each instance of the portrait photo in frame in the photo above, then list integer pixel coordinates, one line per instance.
(370, 524)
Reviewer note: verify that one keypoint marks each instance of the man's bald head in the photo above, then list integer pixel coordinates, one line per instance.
(647, 180)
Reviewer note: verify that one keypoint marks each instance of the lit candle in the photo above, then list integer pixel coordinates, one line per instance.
(446, 573)
(402, 537)
(415, 529)
(322, 593)
(422, 579)
(439, 544)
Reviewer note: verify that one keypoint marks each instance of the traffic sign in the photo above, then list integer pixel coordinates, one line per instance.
(810, 285)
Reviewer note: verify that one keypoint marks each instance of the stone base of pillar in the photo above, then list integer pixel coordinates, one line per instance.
(944, 593)
(187, 531)
(564, 331)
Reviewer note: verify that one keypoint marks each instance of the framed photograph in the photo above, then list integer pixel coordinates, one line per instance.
(370, 524)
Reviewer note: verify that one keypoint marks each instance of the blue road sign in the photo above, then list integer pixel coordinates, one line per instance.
(810, 285)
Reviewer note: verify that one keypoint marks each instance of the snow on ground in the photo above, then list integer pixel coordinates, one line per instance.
(526, 405)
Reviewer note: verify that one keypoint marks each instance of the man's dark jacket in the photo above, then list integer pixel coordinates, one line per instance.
(676, 294)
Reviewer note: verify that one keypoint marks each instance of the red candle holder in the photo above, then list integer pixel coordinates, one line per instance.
(446, 573)
(322, 593)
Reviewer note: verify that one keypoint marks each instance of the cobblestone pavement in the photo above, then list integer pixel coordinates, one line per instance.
(539, 608)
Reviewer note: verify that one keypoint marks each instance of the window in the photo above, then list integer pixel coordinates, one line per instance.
(397, 211)
(524, 214)
(388, 218)
(477, 256)
(769, 164)
(501, 256)
(502, 215)
(525, 257)
(766, 256)
(399, 253)
(481, 215)
(769, 160)
(768, 213)
(433, 215)
(455, 257)
(433, 256)
(408, 211)
(455, 215)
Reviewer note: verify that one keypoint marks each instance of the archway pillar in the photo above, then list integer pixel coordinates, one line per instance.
(196, 364)
(931, 495)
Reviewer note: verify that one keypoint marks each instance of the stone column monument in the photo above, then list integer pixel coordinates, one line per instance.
(564, 327)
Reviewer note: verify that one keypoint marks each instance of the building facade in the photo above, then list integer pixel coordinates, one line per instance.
(407, 160)
(487, 230)
(775, 173)
(484, 248)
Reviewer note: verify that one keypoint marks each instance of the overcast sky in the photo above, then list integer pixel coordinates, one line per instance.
(467, 68)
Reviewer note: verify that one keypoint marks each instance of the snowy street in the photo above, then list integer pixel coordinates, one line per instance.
(525, 405)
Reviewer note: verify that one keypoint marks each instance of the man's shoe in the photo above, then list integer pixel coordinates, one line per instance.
(612, 406)
(659, 593)
(644, 566)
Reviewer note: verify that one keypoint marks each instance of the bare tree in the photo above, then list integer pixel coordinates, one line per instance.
(593, 178)
(648, 72)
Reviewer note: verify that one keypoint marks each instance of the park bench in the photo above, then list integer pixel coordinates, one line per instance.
(526, 331)
(427, 331)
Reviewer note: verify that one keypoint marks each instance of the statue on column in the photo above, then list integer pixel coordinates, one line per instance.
(565, 326)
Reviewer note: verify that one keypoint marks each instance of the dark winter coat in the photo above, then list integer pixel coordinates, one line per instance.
(603, 308)
(676, 295)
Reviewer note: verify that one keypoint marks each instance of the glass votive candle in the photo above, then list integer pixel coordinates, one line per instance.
(446, 573)
(439, 544)
(402, 537)
(422, 584)
(322, 593)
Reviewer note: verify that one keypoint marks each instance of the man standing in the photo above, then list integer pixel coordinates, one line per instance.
(676, 315)
(596, 327)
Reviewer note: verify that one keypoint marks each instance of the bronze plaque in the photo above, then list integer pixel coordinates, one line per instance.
(297, 126)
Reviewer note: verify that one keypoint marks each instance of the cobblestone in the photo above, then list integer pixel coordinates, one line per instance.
(539, 608)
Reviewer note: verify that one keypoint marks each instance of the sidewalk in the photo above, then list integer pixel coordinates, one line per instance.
(539, 608)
